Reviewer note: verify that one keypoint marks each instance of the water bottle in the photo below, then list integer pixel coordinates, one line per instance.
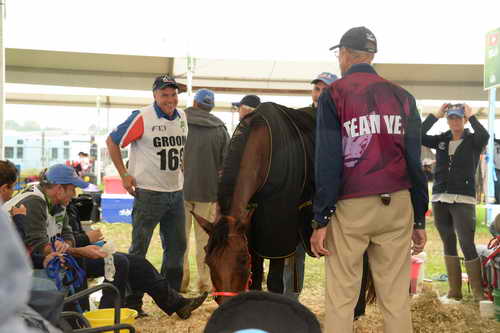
(109, 263)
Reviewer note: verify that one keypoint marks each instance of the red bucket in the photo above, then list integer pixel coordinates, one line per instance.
(416, 263)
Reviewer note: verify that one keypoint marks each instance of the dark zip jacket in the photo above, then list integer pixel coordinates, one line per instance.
(457, 175)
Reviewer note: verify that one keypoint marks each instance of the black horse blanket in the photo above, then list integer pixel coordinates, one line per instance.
(283, 209)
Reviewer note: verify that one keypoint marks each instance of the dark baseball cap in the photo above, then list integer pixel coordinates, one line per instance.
(164, 81)
(252, 101)
(359, 38)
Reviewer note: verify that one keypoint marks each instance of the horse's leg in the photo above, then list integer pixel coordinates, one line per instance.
(257, 271)
(275, 276)
(359, 310)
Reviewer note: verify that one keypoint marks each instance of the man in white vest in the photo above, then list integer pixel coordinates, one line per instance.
(157, 134)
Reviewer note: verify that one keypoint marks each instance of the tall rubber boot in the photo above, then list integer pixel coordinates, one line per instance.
(454, 276)
(473, 268)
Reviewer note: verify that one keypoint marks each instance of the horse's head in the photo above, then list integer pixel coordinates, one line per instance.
(227, 256)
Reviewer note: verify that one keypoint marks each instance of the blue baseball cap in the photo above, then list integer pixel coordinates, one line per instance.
(325, 77)
(205, 97)
(455, 110)
(63, 174)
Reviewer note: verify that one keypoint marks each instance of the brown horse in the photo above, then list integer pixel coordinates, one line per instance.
(227, 251)
(228, 254)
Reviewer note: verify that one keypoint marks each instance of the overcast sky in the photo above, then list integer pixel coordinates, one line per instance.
(438, 31)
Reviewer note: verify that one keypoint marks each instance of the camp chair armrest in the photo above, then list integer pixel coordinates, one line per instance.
(92, 290)
(71, 314)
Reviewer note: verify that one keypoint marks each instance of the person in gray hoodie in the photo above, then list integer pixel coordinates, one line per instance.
(15, 284)
(204, 154)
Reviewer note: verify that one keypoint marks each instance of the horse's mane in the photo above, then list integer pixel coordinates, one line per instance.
(232, 161)
(218, 237)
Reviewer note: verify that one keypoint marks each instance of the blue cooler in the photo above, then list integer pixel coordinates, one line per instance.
(117, 208)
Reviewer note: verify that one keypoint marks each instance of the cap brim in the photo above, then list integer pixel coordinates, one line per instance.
(236, 104)
(79, 183)
(334, 47)
(454, 114)
(168, 84)
(321, 80)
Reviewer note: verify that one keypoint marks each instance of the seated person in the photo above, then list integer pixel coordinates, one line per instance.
(48, 233)
(8, 176)
(142, 275)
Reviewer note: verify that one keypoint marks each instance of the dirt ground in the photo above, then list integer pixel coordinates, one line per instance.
(429, 316)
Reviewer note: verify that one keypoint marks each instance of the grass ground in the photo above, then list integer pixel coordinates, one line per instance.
(313, 293)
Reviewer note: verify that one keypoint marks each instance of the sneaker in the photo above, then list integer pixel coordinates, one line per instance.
(191, 304)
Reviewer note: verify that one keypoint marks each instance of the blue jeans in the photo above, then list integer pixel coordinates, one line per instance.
(166, 208)
(294, 265)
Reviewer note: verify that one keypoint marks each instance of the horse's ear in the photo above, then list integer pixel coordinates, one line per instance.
(204, 223)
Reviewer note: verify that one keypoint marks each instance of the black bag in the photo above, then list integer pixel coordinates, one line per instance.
(85, 205)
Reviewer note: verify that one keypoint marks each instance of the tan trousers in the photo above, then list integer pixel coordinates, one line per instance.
(385, 232)
(206, 210)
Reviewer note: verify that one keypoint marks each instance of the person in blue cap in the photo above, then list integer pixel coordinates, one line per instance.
(321, 82)
(203, 157)
(46, 224)
(296, 264)
(454, 191)
(135, 271)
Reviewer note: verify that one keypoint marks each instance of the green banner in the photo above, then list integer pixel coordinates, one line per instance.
(492, 60)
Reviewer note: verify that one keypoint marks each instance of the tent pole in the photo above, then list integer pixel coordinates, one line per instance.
(2, 78)
(491, 176)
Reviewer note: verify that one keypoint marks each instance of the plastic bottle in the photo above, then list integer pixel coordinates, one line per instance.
(109, 263)
(421, 275)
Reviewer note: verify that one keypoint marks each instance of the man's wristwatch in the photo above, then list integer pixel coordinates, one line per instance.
(317, 225)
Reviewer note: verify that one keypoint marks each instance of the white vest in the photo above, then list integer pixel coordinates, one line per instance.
(156, 158)
(54, 223)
